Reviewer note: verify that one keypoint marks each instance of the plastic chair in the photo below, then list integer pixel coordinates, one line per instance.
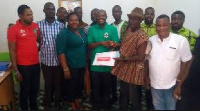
(4, 57)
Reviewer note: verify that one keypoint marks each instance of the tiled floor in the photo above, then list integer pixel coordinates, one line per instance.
(86, 104)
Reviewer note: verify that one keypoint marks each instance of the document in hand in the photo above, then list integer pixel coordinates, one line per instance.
(105, 58)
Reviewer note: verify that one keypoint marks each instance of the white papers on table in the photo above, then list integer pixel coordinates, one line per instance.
(2, 73)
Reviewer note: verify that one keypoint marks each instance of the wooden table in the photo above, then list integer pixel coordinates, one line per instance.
(7, 89)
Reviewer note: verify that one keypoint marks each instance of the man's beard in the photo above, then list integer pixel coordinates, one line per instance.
(62, 20)
(175, 27)
(28, 22)
(148, 22)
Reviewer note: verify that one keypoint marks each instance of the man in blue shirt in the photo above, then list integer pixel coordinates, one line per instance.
(51, 69)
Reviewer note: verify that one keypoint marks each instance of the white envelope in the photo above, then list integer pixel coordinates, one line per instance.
(105, 58)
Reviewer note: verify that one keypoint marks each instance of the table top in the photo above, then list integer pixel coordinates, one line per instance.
(6, 74)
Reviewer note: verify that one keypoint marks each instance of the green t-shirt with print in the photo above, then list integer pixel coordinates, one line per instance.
(98, 34)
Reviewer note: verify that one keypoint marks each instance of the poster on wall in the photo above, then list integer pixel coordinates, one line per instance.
(69, 4)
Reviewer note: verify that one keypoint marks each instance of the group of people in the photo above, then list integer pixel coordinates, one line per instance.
(154, 57)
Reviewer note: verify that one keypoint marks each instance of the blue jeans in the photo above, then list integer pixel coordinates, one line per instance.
(163, 99)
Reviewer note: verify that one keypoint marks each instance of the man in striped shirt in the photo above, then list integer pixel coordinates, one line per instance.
(51, 69)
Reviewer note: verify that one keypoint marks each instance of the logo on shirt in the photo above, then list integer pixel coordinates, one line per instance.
(172, 47)
(106, 35)
(35, 30)
(23, 33)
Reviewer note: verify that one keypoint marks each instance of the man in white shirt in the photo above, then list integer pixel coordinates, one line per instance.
(168, 63)
(121, 26)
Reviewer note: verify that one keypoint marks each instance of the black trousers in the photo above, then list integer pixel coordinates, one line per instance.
(113, 86)
(29, 87)
(130, 91)
(53, 78)
(191, 88)
(73, 87)
(101, 89)
(149, 100)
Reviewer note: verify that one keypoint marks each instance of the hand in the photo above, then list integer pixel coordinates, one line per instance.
(119, 59)
(177, 93)
(39, 47)
(67, 74)
(19, 77)
(106, 44)
(112, 44)
(147, 83)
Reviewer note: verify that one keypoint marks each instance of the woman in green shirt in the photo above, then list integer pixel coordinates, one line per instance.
(71, 49)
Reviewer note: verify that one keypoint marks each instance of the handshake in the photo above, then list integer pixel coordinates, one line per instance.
(109, 44)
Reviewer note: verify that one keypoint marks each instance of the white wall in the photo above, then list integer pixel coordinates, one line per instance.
(8, 11)
(191, 9)
(127, 6)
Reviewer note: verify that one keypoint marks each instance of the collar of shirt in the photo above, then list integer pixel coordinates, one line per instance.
(133, 33)
(82, 24)
(117, 24)
(152, 25)
(98, 26)
(165, 39)
(18, 23)
(54, 22)
(183, 29)
(61, 22)
(93, 23)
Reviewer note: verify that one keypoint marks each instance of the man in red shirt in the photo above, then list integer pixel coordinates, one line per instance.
(22, 41)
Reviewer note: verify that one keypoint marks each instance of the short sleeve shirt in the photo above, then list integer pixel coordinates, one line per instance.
(129, 71)
(49, 33)
(189, 35)
(98, 34)
(165, 60)
(25, 38)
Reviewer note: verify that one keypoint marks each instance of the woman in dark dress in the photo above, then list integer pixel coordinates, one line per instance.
(71, 49)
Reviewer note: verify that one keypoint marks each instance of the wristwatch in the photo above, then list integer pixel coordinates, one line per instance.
(178, 80)
(16, 72)
(66, 69)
